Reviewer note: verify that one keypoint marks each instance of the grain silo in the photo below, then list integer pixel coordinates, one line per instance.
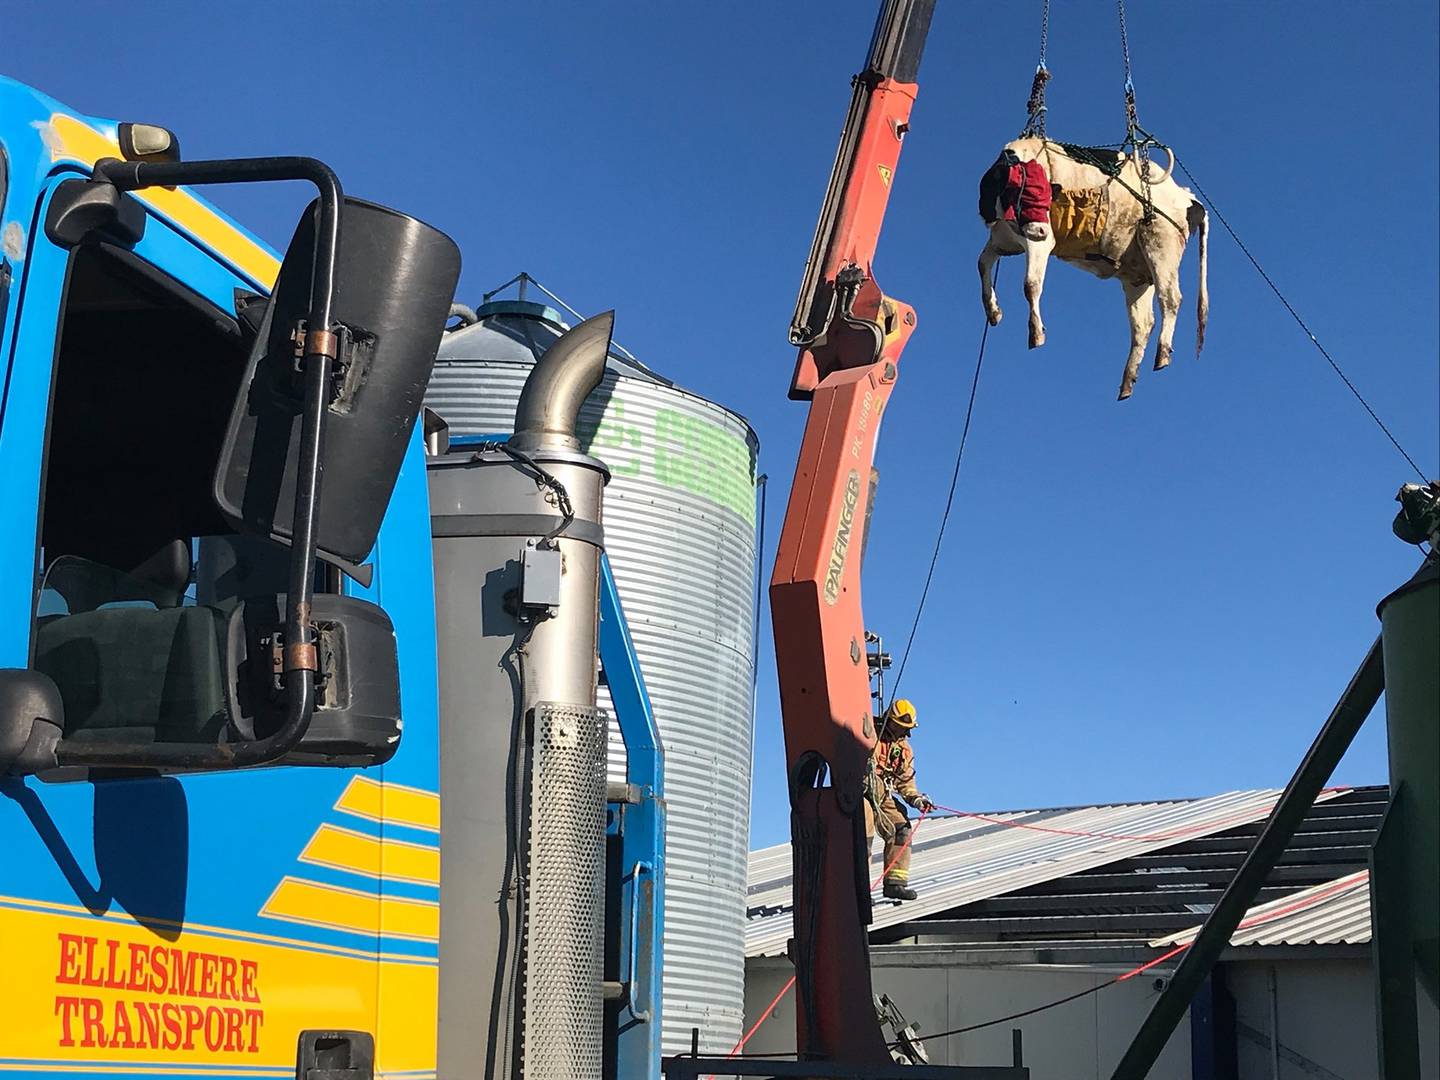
(680, 532)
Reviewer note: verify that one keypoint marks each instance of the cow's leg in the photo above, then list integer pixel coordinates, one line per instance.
(988, 255)
(1162, 250)
(1037, 256)
(1140, 299)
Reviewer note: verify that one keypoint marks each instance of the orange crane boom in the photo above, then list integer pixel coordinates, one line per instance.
(850, 337)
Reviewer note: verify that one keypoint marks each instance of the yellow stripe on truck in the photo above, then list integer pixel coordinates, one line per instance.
(373, 856)
(336, 908)
(70, 139)
(392, 803)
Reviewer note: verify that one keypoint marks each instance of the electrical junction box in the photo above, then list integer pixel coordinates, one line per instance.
(540, 570)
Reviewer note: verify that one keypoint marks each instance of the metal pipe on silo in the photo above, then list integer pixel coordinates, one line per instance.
(517, 539)
(549, 406)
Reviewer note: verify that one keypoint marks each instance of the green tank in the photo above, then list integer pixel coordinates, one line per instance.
(1410, 635)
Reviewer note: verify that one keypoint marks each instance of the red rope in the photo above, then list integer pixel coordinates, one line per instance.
(1257, 920)
(739, 1046)
(763, 1017)
(1188, 830)
(903, 848)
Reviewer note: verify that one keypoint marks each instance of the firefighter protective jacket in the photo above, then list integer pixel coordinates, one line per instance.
(895, 771)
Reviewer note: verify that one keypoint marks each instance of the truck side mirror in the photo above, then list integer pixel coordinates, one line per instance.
(357, 720)
(394, 281)
(32, 719)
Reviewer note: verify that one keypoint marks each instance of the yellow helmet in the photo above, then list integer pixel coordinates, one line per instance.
(901, 713)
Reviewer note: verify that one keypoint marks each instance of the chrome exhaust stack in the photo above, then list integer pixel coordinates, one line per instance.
(517, 533)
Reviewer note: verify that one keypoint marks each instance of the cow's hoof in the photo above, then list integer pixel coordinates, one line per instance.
(1036, 340)
(1126, 389)
(994, 316)
(1162, 358)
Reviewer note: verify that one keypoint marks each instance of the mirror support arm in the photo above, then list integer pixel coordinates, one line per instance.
(320, 351)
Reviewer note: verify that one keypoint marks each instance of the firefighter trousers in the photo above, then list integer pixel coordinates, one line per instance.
(896, 830)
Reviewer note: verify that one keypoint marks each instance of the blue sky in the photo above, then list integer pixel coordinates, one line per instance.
(1161, 598)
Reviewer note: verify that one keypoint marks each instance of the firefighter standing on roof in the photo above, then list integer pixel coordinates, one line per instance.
(892, 778)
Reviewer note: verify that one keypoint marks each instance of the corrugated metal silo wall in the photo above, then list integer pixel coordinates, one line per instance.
(680, 530)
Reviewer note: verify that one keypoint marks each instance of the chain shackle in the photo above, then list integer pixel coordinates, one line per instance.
(1035, 106)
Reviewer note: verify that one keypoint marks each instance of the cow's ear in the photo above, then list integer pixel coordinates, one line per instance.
(1055, 190)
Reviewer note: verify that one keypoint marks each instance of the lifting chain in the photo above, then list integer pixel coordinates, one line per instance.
(1125, 48)
(1137, 139)
(1035, 106)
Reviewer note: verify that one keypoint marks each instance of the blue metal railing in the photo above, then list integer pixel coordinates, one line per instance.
(642, 839)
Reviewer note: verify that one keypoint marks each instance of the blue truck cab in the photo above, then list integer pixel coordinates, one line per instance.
(196, 921)
(161, 916)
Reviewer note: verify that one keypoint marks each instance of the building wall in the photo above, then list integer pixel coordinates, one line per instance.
(1079, 1041)
(1325, 1008)
(1325, 1014)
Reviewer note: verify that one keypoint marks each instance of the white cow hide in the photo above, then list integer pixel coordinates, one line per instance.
(1145, 256)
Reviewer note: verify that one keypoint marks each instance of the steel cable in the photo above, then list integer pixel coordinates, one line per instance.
(1125, 976)
(1296, 316)
(949, 502)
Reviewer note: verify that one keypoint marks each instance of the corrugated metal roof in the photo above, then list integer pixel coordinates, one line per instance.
(960, 860)
(1331, 913)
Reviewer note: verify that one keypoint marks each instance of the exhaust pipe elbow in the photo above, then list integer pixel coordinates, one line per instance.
(559, 383)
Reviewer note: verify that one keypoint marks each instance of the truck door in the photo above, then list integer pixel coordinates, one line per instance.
(181, 924)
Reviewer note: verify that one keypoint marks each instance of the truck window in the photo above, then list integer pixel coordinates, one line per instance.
(130, 629)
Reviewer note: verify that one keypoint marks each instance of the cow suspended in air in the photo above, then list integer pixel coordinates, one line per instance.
(1086, 207)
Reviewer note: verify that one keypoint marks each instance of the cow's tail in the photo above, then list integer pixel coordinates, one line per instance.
(1199, 222)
